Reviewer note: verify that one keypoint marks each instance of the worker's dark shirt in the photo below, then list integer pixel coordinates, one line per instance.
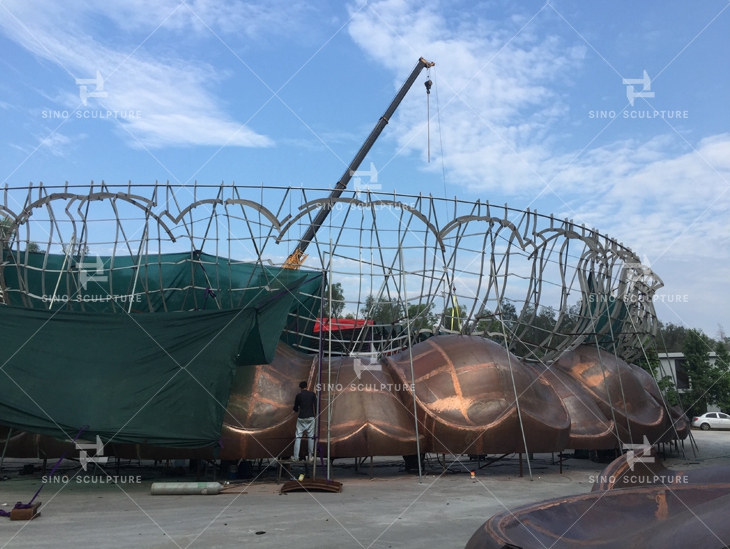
(304, 404)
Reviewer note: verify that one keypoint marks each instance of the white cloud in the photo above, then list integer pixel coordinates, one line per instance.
(56, 144)
(173, 96)
(253, 20)
(479, 87)
(647, 194)
(502, 131)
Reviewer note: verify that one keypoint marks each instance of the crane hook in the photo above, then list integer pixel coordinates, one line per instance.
(428, 84)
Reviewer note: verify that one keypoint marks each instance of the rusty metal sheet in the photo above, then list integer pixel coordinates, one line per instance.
(644, 468)
(312, 485)
(650, 517)
(466, 399)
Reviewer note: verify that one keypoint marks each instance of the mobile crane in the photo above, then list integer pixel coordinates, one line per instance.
(295, 260)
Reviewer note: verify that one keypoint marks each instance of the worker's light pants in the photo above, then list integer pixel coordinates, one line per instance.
(302, 426)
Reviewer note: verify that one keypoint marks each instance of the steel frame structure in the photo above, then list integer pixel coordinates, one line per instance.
(538, 285)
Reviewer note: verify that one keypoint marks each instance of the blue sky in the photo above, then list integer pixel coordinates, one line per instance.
(521, 88)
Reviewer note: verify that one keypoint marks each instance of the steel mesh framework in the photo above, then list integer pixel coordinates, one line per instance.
(408, 266)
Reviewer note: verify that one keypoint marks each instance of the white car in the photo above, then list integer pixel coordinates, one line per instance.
(711, 420)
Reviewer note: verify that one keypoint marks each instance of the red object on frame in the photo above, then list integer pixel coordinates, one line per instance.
(337, 324)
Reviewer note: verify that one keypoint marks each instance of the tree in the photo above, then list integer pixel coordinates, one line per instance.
(338, 301)
(421, 316)
(542, 324)
(702, 390)
(650, 363)
(672, 337)
(454, 317)
(489, 322)
(75, 249)
(385, 311)
(5, 234)
(722, 365)
(534, 327)
(722, 336)
(33, 248)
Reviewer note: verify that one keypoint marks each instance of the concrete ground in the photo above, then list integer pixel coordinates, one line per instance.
(392, 510)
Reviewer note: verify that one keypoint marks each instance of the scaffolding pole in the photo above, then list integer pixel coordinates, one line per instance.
(410, 359)
(329, 367)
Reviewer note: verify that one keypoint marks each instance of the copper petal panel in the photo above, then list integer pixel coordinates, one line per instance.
(680, 427)
(590, 429)
(466, 398)
(32, 446)
(368, 418)
(609, 380)
(260, 422)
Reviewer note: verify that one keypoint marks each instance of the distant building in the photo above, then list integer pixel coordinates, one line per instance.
(672, 364)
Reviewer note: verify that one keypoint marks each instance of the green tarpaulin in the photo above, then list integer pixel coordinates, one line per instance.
(156, 282)
(158, 378)
(598, 310)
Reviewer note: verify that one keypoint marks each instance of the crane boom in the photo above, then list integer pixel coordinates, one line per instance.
(298, 256)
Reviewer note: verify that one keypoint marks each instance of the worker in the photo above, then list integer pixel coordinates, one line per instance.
(304, 404)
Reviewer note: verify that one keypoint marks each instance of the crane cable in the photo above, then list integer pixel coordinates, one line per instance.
(441, 141)
(428, 83)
